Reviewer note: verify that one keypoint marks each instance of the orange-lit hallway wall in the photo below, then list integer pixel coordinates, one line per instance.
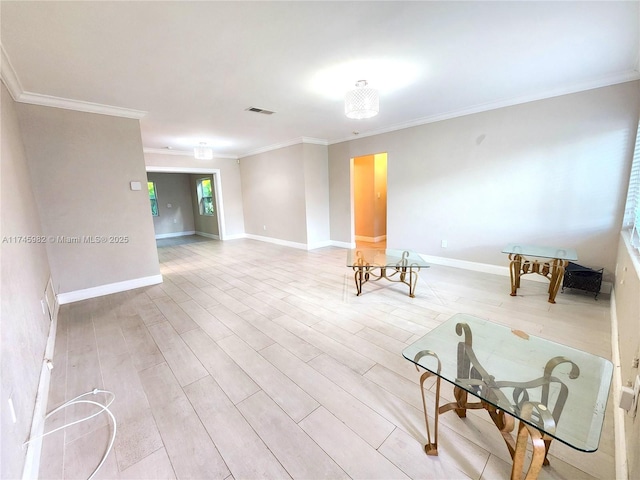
(370, 197)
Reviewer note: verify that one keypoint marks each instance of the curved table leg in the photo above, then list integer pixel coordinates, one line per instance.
(515, 268)
(539, 453)
(557, 274)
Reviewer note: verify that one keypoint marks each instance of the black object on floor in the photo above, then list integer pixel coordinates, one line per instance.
(582, 278)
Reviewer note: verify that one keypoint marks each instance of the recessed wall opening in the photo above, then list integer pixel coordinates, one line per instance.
(370, 200)
(184, 217)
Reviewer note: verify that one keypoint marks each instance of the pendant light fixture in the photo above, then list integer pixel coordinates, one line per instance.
(361, 102)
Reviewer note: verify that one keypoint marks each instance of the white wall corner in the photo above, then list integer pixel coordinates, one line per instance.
(338, 244)
(208, 235)
(235, 236)
(313, 246)
(8, 75)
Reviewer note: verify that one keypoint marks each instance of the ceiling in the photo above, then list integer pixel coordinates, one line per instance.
(195, 67)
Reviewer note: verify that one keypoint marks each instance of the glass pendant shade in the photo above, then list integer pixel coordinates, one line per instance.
(361, 102)
(202, 152)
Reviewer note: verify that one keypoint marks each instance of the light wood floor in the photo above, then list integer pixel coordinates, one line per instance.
(257, 361)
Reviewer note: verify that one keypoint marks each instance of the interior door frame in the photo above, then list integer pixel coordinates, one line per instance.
(352, 195)
(217, 181)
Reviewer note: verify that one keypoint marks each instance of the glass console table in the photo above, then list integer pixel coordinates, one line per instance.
(554, 391)
(394, 265)
(552, 269)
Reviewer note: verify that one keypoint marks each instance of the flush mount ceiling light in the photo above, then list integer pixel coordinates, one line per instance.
(361, 102)
(202, 152)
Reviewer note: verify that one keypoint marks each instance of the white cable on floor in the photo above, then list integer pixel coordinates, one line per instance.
(75, 401)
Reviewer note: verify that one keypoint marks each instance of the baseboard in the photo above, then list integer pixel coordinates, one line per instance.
(371, 239)
(622, 467)
(208, 235)
(77, 295)
(335, 243)
(235, 236)
(34, 449)
(494, 269)
(175, 234)
(301, 246)
(313, 246)
(466, 265)
(277, 241)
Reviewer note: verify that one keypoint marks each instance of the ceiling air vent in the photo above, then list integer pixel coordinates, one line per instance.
(259, 110)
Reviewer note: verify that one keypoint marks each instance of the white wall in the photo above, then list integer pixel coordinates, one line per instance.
(231, 191)
(82, 165)
(316, 180)
(273, 194)
(172, 189)
(550, 172)
(25, 272)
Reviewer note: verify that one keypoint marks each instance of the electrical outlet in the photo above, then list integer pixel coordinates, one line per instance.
(264, 227)
(635, 362)
(444, 244)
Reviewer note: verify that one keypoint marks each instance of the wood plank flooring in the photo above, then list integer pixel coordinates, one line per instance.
(256, 361)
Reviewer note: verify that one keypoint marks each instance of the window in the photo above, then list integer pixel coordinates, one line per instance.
(205, 199)
(153, 197)
(632, 207)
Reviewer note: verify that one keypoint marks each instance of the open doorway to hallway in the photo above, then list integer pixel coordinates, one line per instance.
(212, 223)
(370, 200)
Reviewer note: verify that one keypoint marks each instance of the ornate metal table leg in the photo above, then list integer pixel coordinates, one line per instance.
(461, 401)
(431, 447)
(505, 424)
(537, 441)
(515, 268)
(537, 459)
(557, 273)
(413, 280)
(359, 275)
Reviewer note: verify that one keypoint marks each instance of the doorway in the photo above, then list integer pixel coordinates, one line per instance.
(216, 192)
(370, 200)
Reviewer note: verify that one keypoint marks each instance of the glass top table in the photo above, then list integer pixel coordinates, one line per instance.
(539, 251)
(394, 265)
(555, 391)
(552, 269)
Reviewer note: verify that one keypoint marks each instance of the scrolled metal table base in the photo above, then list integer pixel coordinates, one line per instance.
(476, 379)
(402, 272)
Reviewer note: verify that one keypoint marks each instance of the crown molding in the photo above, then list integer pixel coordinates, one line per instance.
(166, 151)
(79, 105)
(625, 77)
(315, 141)
(288, 143)
(11, 80)
(183, 153)
(8, 75)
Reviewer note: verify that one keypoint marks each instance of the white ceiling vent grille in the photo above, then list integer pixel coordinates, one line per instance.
(259, 110)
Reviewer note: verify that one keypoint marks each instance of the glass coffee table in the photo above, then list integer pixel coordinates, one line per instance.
(552, 269)
(554, 391)
(394, 265)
